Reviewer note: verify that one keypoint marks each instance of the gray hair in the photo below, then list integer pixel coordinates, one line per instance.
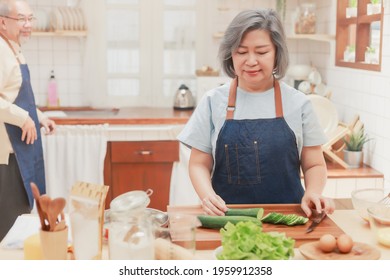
(6, 7)
(249, 20)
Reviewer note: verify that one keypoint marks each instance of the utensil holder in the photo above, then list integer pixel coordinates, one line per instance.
(54, 244)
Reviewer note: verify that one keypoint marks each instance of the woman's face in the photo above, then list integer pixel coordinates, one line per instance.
(254, 61)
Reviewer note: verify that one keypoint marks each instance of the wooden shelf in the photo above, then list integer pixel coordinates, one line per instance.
(60, 33)
(313, 37)
(359, 65)
(356, 31)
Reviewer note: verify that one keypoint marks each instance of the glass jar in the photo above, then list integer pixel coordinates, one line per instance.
(130, 233)
(306, 19)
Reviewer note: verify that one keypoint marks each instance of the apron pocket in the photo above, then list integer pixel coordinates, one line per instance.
(243, 164)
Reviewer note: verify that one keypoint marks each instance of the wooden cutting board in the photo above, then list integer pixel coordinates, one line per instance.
(360, 251)
(209, 239)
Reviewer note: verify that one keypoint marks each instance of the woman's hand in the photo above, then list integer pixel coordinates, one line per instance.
(316, 201)
(214, 205)
(200, 166)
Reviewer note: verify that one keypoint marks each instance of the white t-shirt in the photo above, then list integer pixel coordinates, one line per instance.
(202, 129)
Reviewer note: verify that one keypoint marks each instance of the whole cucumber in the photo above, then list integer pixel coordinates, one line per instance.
(250, 212)
(217, 222)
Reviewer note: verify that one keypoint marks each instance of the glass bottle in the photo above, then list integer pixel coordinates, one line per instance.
(52, 93)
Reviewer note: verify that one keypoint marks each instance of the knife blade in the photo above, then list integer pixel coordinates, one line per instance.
(316, 221)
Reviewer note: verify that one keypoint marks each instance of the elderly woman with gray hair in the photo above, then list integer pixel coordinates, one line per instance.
(251, 138)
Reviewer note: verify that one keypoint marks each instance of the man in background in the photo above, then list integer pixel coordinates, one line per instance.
(21, 155)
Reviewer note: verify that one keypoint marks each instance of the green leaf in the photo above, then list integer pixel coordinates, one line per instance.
(356, 140)
(247, 241)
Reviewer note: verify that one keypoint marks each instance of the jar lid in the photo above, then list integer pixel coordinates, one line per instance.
(131, 201)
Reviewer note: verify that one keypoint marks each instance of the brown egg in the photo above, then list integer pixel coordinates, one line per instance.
(327, 243)
(344, 243)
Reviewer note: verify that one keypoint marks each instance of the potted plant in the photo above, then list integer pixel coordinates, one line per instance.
(353, 151)
(371, 55)
(374, 7)
(351, 10)
(349, 53)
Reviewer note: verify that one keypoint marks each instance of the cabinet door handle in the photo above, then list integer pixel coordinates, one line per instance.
(144, 153)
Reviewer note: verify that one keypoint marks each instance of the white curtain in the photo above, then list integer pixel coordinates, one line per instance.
(74, 153)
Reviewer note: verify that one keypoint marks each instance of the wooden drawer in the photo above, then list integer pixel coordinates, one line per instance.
(145, 151)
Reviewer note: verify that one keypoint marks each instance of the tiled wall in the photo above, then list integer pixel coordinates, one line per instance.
(367, 93)
(64, 55)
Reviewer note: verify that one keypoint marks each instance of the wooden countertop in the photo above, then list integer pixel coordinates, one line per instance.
(335, 171)
(121, 116)
(348, 220)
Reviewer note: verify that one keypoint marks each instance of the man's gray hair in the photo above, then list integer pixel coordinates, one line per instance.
(249, 20)
(5, 7)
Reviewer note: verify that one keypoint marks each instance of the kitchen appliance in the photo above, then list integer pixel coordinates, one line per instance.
(184, 99)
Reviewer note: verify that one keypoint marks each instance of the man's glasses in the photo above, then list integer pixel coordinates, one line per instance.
(22, 20)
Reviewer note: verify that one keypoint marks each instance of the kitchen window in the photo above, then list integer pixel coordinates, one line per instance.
(143, 50)
(150, 50)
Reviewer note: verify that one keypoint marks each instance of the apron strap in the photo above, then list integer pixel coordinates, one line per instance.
(233, 94)
(278, 100)
(232, 99)
(12, 48)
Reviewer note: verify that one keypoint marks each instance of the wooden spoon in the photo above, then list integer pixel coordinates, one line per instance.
(44, 201)
(55, 208)
(36, 194)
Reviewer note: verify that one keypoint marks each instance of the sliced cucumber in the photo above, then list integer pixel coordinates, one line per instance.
(290, 219)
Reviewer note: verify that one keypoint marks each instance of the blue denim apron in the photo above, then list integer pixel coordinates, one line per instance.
(29, 157)
(256, 160)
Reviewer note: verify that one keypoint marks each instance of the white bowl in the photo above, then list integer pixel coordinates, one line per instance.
(299, 71)
(217, 251)
(379, 217)
(365, 198)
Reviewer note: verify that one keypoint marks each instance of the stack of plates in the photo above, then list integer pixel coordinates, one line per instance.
(42, 23)
(67, 19)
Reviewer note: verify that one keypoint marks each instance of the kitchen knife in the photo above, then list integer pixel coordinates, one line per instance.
(316, 221)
